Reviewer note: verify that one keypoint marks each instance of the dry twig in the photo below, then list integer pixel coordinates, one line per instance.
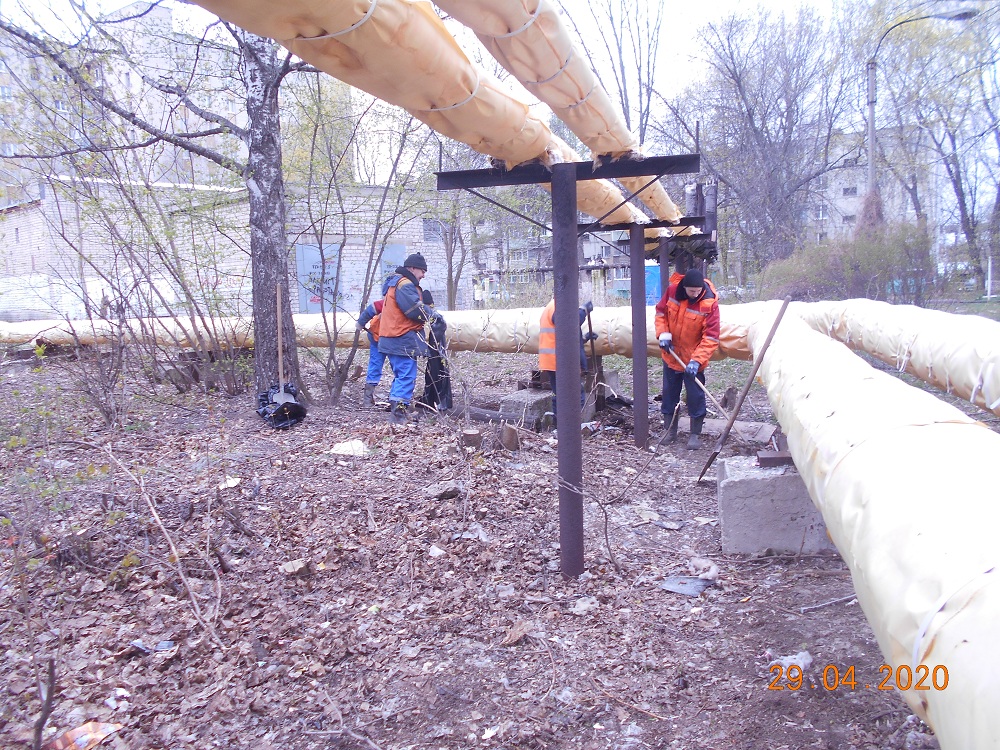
(195, 607)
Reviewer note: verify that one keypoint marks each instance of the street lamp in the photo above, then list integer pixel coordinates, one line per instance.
(960, 15)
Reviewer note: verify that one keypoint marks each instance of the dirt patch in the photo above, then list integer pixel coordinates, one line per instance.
(407, 598)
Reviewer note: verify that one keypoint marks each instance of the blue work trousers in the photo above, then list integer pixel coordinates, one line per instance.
(376, 362)
(404, 371)
(672, 382)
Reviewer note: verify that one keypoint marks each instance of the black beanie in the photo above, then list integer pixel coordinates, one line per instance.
(693, 277)
(415, 260)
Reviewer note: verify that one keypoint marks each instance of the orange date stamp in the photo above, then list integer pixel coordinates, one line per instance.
(833, 678)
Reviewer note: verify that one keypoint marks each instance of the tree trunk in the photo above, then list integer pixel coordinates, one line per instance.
(268, 234)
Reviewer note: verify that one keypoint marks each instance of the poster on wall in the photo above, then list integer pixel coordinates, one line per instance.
(316, 267)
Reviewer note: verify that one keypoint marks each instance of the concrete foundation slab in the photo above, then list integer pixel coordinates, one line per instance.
(761, 509)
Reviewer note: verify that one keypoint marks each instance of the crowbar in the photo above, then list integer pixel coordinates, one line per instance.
(707, 392)
(746, 389)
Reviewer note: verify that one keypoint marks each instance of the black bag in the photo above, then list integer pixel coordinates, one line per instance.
(280, 409)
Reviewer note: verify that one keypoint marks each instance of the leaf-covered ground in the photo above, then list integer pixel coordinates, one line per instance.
(207, 582)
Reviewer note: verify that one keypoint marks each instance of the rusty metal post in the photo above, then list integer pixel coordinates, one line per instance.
(566, 282)
(664, 266)
(640, 376)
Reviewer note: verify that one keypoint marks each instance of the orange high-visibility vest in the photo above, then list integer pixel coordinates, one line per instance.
(547, 339)
(394, 322)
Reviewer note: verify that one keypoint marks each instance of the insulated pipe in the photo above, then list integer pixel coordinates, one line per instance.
(959, 354)
(529, 39)
(401, 52)
(907, 487)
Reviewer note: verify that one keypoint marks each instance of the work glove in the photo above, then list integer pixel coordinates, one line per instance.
(588, 337)
(666, 341)
(589, 307)
(692, 368)
(359, 325)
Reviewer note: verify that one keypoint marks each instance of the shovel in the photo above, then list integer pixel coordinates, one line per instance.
(746, 389)
(599, 375)
(281, 397)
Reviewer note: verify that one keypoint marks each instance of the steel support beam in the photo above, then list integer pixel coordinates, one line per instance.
(566, 282)
(640, 375)
(536, 173)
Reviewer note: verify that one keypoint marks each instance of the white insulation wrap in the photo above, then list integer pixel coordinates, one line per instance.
(468, 330)
(959, 354)
(529, 39)
(907, 486)
(401, 52)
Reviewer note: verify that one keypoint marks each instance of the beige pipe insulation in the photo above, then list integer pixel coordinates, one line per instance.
(958, 354)
(529, 39)
(908, 489)
(401, 52)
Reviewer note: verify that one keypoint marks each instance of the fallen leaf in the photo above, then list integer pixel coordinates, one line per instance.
(584, 605)
(296, 567)
(517, 631)
(84, 737)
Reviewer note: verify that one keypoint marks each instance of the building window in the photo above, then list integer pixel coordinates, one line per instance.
(822, 182)
(6, 94)
(821, 213)
(433, 230)
(61, 106)
(821, 237)
(17, 235)
(849, 218)
(848, 191)
(7, 149)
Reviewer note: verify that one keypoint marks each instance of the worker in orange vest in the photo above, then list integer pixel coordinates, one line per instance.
(401, 331)
(547, 348)
(687, 323)
(369, 323)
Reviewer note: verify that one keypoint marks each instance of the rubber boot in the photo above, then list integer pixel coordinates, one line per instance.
(369, 397)
(671, 425)
(694, 439)
(397, 413)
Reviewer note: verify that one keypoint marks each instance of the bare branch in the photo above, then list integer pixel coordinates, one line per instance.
(57, 57)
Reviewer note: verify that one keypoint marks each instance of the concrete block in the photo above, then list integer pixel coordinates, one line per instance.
(767, 509)
(526, 407)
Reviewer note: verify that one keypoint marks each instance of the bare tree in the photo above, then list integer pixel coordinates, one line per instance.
(260, 70)
(767, 118)
(628, 38)
(386, 149)
(941, 80)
